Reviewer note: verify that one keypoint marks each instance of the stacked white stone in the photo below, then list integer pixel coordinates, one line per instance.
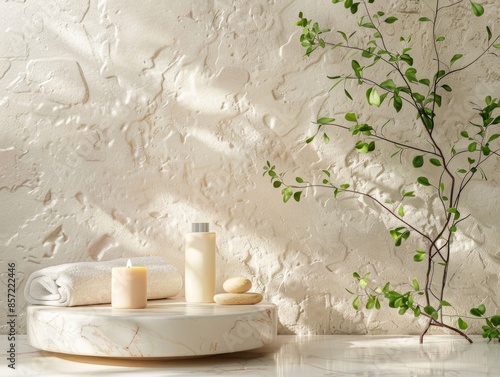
(237, 293)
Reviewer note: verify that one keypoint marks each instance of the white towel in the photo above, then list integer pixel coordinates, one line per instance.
(87, 283)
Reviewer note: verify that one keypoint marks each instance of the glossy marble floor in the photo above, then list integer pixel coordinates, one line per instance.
(288, 356)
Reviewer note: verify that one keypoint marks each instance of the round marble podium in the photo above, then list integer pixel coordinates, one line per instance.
(165, 328)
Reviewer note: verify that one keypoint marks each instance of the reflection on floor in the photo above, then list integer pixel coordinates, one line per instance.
(288, 356)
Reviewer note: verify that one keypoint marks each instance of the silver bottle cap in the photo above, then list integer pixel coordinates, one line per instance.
(200, 227)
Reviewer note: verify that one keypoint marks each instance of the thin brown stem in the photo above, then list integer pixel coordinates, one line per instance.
(387, 140)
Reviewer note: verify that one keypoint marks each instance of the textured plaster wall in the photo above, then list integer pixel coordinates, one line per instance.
(122, 122)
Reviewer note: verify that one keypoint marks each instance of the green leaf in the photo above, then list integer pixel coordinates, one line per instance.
(416, 312)
(455, 58)
(495, 320)
(488, 30)
(418, 161)
(424, 19)
(493, 137)
(472, 147)
(297, 195)
(482, 309)
(401, 211)
(440, 39)
(398, 102)
(388, 85)
(398, 302)
(403, 310)
(477, 9)
(455, 212)
(344, 35)
(374, 98)
(276, 184)
(357, 68)
(444, 303)
(407, 59)
(355, 303)
(431, 311)
(411, 74)
(299, 180)
(363, 283)
(361, 147)
(309, 139)
(391, 20)
(424, 82)
(475, 312)
(423, 181)
(354, 8)
(462, 325)
(325, 120)
(368, 25)
(351, 117)
(409, 194)
(415, 284)
(435, 162)
(287, 194)
(370, 303)
(347, 94)
(326, 139)
(418, 257)
(446, 87)
(418, 97)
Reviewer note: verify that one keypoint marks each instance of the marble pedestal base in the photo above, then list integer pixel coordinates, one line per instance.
(166, 328)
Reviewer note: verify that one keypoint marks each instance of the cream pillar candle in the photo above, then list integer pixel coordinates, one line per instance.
(129, 287)
(199, 282)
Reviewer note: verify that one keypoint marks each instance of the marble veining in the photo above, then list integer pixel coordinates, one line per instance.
(291, 356)
(165, 328)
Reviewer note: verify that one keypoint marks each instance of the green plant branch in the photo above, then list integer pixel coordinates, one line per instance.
(473, 61)
(383, 138)
(450, 5)
(404, 302)
(381, 87)
(450, 184)
(360, 49)
(433, 322)
(396, 66)
(360, 193)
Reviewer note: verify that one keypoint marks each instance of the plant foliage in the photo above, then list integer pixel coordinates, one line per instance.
(407, 87)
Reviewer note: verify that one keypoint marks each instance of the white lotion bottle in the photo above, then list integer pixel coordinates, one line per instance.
(200, 252)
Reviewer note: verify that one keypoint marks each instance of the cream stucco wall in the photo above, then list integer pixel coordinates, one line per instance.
(122, 122)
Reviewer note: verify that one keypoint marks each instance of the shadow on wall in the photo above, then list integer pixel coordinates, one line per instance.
(119, 139)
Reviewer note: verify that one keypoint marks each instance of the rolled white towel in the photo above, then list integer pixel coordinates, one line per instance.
(88, 283)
